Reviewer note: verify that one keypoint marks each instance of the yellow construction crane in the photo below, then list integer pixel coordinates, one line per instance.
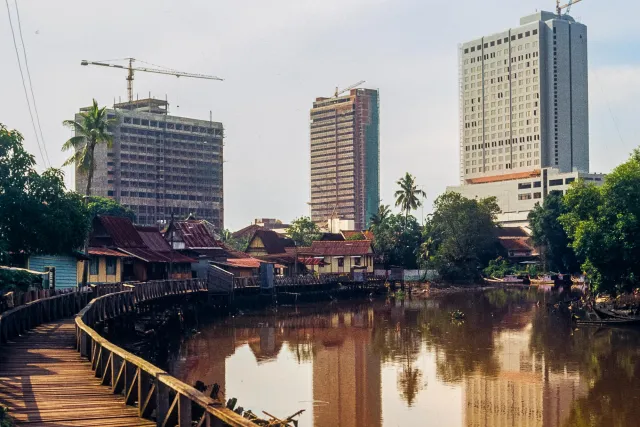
(159, 70)
(565, 6)
(341, 91)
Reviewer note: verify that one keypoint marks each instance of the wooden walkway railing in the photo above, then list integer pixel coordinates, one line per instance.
(157, 394)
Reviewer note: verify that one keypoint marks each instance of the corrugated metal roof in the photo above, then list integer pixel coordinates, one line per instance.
(105, 252)
(195, 234)
(272, 241)
(347, 247)
(243, 263)
(122, 231)
(153, 239)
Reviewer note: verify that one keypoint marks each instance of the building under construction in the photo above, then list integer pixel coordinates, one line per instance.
(345, 157)
(160, 164)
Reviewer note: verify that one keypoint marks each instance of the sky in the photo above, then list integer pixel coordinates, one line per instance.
(277, 56)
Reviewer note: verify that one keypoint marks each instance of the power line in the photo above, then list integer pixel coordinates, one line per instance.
(33, 96)
(24, 86)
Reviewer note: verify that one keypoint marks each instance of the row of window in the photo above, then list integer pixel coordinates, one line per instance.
(529, 196)
(502, 40)
(169, 125)
(94, 266)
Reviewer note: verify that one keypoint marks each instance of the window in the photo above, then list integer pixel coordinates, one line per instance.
(524, 185)
(569, 180)
(537, 195)
(94, 264)
(537, 184)
(526, 196)
(340, 262)
(111, 266)
(555, 182)
(356, 261)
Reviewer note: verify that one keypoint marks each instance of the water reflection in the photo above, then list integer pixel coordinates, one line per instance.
(511, 362)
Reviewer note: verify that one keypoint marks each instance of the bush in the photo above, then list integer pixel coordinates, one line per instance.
(18, 280)
(5, 421)
(498, 268)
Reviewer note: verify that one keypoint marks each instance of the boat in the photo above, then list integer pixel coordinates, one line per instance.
(544, 280)
(578, 280)
(507, 280)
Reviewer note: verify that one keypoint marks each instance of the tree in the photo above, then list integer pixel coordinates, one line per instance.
(408, 196)
(356, 236)
(235, 243)
(303, 231)
(37, 214)
(548, 234)
(462, 236)
(603, 224)
(397, 239)
(91, 130)
(105, 206)
(380, 216)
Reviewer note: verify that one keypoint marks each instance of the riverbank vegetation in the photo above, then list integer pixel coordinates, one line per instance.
(595, 230)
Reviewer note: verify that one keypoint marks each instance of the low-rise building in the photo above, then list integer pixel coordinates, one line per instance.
(518, 193)
(336, 257)
(268, 242)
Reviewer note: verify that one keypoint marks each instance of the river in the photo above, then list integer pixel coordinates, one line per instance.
(512, 361)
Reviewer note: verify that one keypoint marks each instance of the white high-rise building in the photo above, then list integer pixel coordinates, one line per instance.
(524, 113)
(523, 100)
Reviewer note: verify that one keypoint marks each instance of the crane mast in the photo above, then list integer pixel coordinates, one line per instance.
(130, 72)
(567, 6)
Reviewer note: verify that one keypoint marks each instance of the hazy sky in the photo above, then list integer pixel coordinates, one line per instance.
(278, 55)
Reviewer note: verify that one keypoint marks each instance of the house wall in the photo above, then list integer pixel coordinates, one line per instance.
(256, 247)
(331, 264)
(102, 276)
(66, 269)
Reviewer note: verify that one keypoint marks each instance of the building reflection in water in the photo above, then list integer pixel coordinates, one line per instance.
(346, 373)
(524, 392)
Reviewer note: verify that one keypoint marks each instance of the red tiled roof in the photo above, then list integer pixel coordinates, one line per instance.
(516, 245)
(512, 232)
(195, 234)
(344, 248)
(310, 261)
(368, 235)
(105, 252)
(244, 263)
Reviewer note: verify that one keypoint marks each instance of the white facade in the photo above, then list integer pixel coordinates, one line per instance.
(523, 100)
(517, 197)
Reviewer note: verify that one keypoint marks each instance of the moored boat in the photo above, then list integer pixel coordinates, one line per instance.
(544, 280)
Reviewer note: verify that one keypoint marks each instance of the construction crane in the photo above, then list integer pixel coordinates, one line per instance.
(565, 6)
(130, 69)
(341, 91)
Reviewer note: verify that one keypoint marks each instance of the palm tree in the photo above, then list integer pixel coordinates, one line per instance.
(408, 196)
(380, 216)
(90, 131)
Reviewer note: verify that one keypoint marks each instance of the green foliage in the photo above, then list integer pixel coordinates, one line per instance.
(90, 131)
(357, 236)
(603, 224)
(303, 231)
(380, 216)
(37, 214)
(397, 239)
(18, 280)
(5, 420)
(549, 235)
(461, 236)
(408, 196)
(499, 268)
(105, 206)
(235, 243)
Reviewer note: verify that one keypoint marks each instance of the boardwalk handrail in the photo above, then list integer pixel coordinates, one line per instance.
(19, 320)
(139, 381)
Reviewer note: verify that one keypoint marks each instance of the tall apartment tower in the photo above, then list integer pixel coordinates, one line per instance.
(523, 100)
(345, 157)
(160, 164)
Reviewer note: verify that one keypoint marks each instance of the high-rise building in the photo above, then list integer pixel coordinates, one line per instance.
(345, 157)
(160, 164)
(523, 110)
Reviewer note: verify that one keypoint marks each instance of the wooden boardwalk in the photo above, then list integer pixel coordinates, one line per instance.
(45, 382)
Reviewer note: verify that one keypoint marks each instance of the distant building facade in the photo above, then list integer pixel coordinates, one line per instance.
(161, 164)
(345, 157)
(524, 113)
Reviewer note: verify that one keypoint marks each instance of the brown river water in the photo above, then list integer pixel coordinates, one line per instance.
(513, 361)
